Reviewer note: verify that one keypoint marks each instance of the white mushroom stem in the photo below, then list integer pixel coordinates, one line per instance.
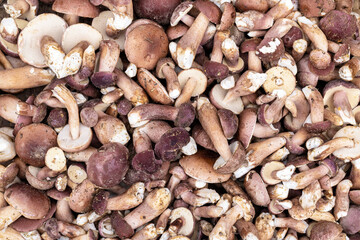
(133, 197)
(343, 108)
(189, 43)
(148, 232)
(64, 96)
(186, 92)
(222, 229)
(17, 8)
(123, 17)
(329, 147)
(284, 174)
(342, 201)
(230, 51)
(53, 54)
(71, 19)
(316, 103)
(210, 122)
(8, 215)
(314, 33)
(310, 195)
(172, 82)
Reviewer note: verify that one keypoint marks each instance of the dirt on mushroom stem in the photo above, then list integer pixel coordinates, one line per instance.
(298, 135)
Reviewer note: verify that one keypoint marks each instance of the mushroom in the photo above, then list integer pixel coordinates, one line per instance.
(185, 219)
(123, 16)
(193, 82)
(75, 9)
(30, 50)
(145, 45)
(180, 13)
(217, 97)
(18, 196)
(182, 116)
(253, 20)
(7, 148)
(74, 136)
(158, 11)
(165, 69)
(339, 98)
(274, 172)
(22, 8)
(249, 46)
(153, 87)
(325, 230)
(200, 166)
(342, 201)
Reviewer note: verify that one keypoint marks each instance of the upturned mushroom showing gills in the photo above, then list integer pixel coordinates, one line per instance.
(179, 120)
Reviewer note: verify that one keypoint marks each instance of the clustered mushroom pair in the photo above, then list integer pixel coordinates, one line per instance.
(179, 120)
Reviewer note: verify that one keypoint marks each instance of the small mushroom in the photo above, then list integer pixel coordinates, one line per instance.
(193, 82)
(274, 172)
(165, 69)
(22, 8)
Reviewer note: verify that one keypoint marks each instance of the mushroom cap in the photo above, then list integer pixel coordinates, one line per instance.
(350, 222)
(200, 166)
(211, 11)
(181, 10)
(72, 37)
(268, 168)
(352, 153)
(30, 37)
(217, 95)
(81, 8)
(352, 91)
(9, 48)
(187, 219)
(162, 63)
(196, 74)
(279, 80)
(68, 144)
(145, 45)
(32, 143)
(249, 45)
(32, 203)
(325, 230)
(99, 23)
(157, 10)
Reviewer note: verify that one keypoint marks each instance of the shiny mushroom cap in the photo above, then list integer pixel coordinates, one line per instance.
(32, 203)
(81, 8)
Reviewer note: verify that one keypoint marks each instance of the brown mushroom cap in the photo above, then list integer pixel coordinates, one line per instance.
(145, 45)
(32, 143)
(81, 8)
(162, 63)
(211, 11)
(200, 166)
(32, 203)
(99, 23)
(331, 87)
(249, 45)
(30, 37)
(352, 153)
(196, 74)
(71, 36)
(325, 230)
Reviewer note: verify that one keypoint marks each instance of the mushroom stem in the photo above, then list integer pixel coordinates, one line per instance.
(188, 20)
(8, 107)
(54, 55)
(64, 95)
(30, 77)
(130, 199)
(172, 83)
(17, 8)
(4, 61)
(314, 33)
(8, 215)
(316, 103)
(71, 19)
(189, 43)
(343, 108)
(329, 147)
(210, 122)
(254, 62)
(342, 201)
(186, 92)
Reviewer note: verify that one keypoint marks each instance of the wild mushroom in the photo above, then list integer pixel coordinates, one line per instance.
(274, 172)
(17, 196)
(75, 9)
(193, 82)
(22, 8)
(165, 69)
(158, 11)
(30, 51)
(153, 87)
(74, 136)
(142, 52)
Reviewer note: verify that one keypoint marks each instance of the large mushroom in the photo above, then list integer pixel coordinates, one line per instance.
(23, 200)
(145, 45)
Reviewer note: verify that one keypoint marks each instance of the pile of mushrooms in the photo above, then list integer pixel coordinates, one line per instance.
(180, 120)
